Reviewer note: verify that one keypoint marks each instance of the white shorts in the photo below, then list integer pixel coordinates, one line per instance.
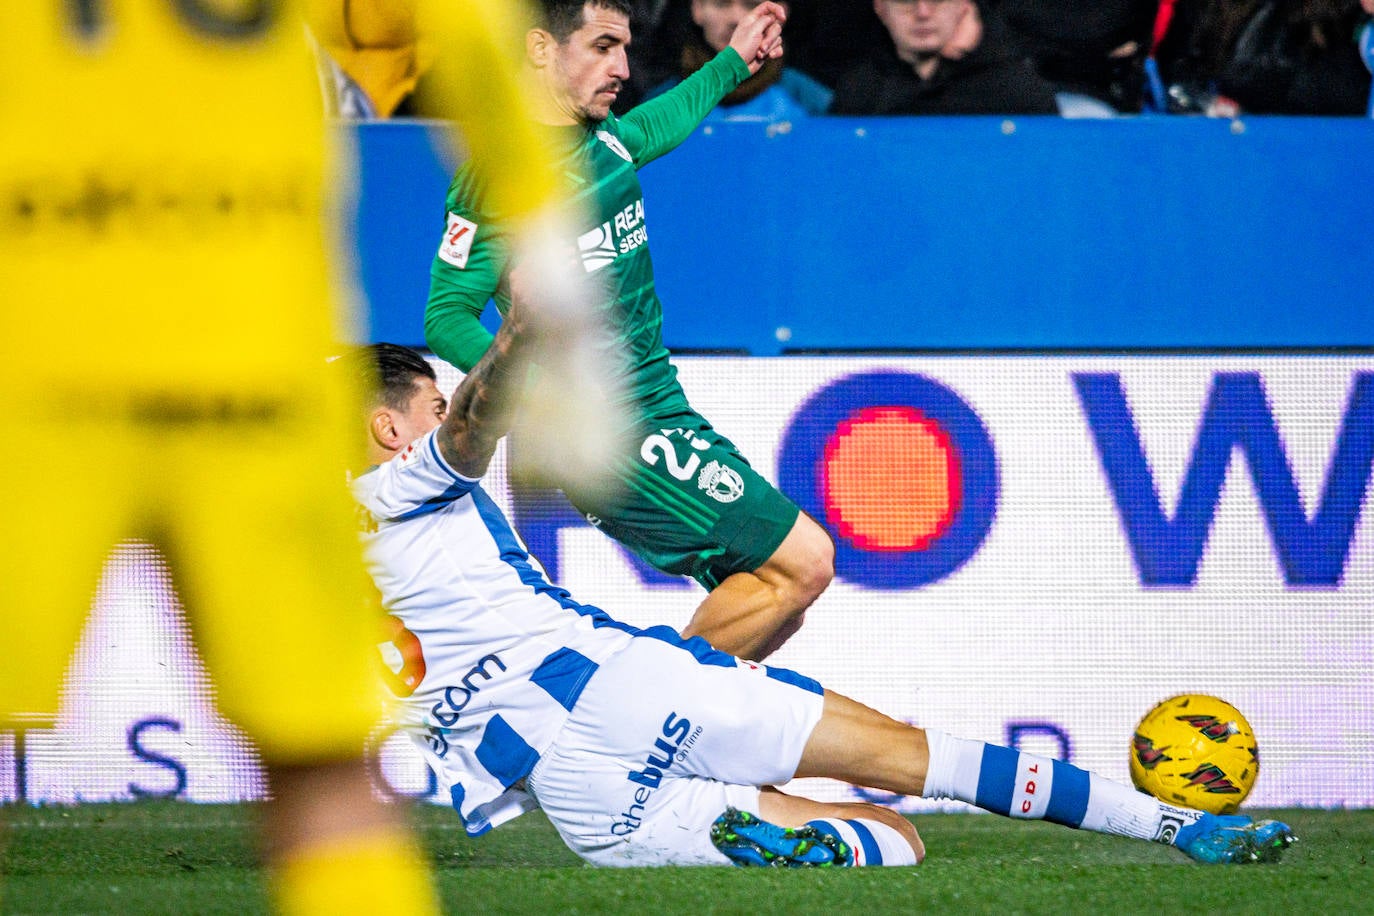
(665, 736)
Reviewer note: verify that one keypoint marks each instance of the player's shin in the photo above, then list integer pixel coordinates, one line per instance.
(1008, 782)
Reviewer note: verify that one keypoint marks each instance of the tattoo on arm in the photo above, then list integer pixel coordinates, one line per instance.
(483, 406)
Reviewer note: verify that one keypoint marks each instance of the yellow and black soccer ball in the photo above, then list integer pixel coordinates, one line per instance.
(1195, 750)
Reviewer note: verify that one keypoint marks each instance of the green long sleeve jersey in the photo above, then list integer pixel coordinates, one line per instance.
(600, 164)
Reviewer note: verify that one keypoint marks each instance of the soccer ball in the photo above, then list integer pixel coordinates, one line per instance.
(1195, 750)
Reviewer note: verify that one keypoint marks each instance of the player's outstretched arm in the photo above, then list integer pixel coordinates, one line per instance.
(483, 406)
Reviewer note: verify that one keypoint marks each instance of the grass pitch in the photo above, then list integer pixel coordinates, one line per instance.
(171, 857)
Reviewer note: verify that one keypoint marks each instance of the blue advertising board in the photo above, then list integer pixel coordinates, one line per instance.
(976, 233)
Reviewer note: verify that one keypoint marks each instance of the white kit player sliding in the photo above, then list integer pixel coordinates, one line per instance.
(643, 748)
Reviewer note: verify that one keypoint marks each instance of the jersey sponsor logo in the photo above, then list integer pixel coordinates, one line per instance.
(457, 244)
(597, 247)
(721, 483)
(446, 713)
(677, 735)
(248, 19)
(142, 200)
(618, 235)
(613, 142)
(166, 409)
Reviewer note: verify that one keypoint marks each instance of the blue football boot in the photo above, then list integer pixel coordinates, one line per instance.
(749, 841)
(1225, 839)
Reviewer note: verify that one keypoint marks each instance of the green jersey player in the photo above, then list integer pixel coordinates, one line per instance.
(687, 500)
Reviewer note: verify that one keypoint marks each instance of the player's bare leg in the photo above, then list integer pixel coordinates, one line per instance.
(862, 746)
(335, 848)
(749, 615)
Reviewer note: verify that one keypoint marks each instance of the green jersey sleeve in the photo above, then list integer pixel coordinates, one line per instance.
(466, 273)
(660, 124)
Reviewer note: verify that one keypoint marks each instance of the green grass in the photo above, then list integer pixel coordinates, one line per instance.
(168, 857)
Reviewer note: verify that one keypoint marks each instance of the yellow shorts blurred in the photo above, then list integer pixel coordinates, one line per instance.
(243, 491)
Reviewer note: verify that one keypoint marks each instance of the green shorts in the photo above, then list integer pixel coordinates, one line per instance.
(690, 504)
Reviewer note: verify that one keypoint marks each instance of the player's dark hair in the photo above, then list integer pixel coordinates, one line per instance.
(387, 372)
(560, 18)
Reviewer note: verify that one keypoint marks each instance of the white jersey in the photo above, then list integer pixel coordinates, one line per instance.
(499, 656)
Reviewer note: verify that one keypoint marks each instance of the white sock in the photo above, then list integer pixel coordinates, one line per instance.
(873, 842)
(1005, 781)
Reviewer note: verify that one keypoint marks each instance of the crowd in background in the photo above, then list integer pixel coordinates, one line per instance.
(1256, 56)
(875, 57)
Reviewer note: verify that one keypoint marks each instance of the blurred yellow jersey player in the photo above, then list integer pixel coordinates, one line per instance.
(166, 309)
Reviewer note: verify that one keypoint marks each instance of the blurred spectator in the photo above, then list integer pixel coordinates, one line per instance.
(776, 93)
(660, 27)
(371, 60)
(1266, 57)
(943, 57)
(1095, 50)
(827, 38)
(1366, 45)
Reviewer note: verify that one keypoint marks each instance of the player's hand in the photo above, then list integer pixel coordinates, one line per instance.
(571, 423)
(758, 37)
(551, 294)
(967, 35)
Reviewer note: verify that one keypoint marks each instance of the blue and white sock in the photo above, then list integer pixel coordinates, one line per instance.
(874, 843)
(1005, 781)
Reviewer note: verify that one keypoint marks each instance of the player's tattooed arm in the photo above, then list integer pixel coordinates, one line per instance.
(483, 406)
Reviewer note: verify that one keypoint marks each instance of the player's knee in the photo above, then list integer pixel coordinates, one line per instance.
(917, 846)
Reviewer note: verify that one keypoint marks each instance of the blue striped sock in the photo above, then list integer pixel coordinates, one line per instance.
(1006, 781)
(874, 843)
(1027, 786)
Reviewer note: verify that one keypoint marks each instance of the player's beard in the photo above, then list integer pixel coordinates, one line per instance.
(592, 113)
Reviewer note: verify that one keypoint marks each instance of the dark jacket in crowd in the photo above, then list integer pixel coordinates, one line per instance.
(988, 80)
(1270, 56)
(1071, 44)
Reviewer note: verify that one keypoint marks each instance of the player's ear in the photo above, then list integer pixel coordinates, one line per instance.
(382, 427)
(539, 45)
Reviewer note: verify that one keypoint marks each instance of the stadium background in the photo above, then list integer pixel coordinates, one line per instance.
(1005, 304)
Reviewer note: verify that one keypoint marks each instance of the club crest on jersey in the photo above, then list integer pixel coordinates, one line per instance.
(615, 145)
(457, 243)
(721, 483)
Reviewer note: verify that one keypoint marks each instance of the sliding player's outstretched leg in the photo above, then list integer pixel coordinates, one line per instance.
(865, 747)
(1019, 785)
